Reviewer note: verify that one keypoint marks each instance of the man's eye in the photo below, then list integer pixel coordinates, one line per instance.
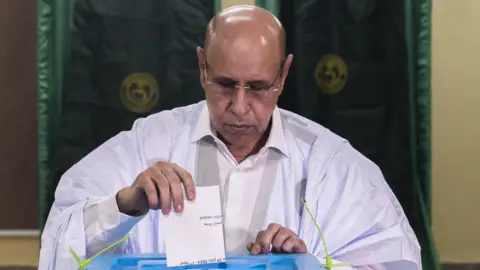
(257, 87)
(226, 84)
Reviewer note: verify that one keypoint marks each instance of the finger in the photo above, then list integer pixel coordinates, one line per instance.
(254, 248)
(164, 190)
(175, 188)
(278, 241)
(187, 181)
(288, 244)
(300, 247)
(265, 237)
(151, 191)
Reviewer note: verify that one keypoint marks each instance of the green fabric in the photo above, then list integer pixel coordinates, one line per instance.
(373, 88)
(360, 92)
(218, 5)
(126, 59)
(423, 93)
(418, 40)
(271, 5)
(44, 76)
(51, 58)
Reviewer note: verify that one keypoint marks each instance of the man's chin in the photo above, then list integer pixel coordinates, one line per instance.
(238, 139)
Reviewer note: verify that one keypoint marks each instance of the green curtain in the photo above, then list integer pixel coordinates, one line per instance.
(418, 42)
(218, 5)
(102, 65)
(271, 5)
(52, 53)
(57, 33)
(362, 69)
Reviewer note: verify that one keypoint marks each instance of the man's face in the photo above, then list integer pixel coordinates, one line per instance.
(242, 89)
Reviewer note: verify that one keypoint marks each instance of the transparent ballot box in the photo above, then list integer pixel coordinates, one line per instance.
(239, 262)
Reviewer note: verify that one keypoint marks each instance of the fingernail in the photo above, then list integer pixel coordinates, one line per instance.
(190, 195)
(179, 207)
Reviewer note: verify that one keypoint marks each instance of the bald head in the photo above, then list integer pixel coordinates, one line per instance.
(247, 25)
(242, 70)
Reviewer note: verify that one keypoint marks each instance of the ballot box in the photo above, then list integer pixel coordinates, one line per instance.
(240, 262)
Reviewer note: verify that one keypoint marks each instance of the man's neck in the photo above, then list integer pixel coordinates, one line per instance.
(242, 152)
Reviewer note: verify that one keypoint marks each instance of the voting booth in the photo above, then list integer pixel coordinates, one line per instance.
(245, 262)
(361, 68)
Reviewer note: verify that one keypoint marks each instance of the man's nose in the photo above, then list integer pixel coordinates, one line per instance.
(240, 101)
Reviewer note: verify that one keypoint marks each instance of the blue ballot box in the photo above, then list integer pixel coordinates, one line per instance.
(240, 262)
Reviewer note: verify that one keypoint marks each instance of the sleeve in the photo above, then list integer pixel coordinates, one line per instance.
(104, 224)
(84, 215)
(362, 221)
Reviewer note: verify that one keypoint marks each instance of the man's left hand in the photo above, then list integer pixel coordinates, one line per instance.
(277, 239)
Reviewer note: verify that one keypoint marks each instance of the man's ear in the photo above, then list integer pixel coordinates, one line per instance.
(201, 65)
(286, 68)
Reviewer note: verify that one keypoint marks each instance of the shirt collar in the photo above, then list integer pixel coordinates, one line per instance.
(203, 128)
(275, 140)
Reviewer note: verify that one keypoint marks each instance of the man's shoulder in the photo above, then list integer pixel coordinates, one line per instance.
(306, 130)
(320, 145)
(170, 121)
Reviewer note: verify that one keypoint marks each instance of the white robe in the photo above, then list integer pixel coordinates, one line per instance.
(360, 217)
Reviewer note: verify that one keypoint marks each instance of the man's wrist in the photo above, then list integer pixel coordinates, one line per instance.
(124, 207)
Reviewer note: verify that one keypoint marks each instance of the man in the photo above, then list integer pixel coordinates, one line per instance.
(265, 160)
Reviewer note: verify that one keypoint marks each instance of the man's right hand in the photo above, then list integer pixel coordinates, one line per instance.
(156, 188)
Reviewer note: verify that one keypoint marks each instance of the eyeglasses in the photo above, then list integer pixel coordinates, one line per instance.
(256, 89)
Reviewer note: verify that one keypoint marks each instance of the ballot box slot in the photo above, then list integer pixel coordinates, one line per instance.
(234, 264)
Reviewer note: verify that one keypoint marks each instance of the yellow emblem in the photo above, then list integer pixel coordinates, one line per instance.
(139, 92)
(331, 74)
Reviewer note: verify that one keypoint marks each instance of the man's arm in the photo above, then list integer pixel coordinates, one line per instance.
(104, 224)
(84, 216)
(362, 221)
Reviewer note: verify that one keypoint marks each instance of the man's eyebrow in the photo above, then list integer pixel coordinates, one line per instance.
(258, 82)
(223, 78)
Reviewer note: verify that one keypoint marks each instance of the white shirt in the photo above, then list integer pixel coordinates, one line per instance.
(360, 217)
(240, 183)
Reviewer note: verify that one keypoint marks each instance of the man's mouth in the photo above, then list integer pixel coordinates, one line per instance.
(239, 128)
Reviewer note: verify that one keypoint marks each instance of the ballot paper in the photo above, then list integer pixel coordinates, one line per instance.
(195, 236)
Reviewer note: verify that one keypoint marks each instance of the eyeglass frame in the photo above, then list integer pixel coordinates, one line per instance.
(268, 89)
